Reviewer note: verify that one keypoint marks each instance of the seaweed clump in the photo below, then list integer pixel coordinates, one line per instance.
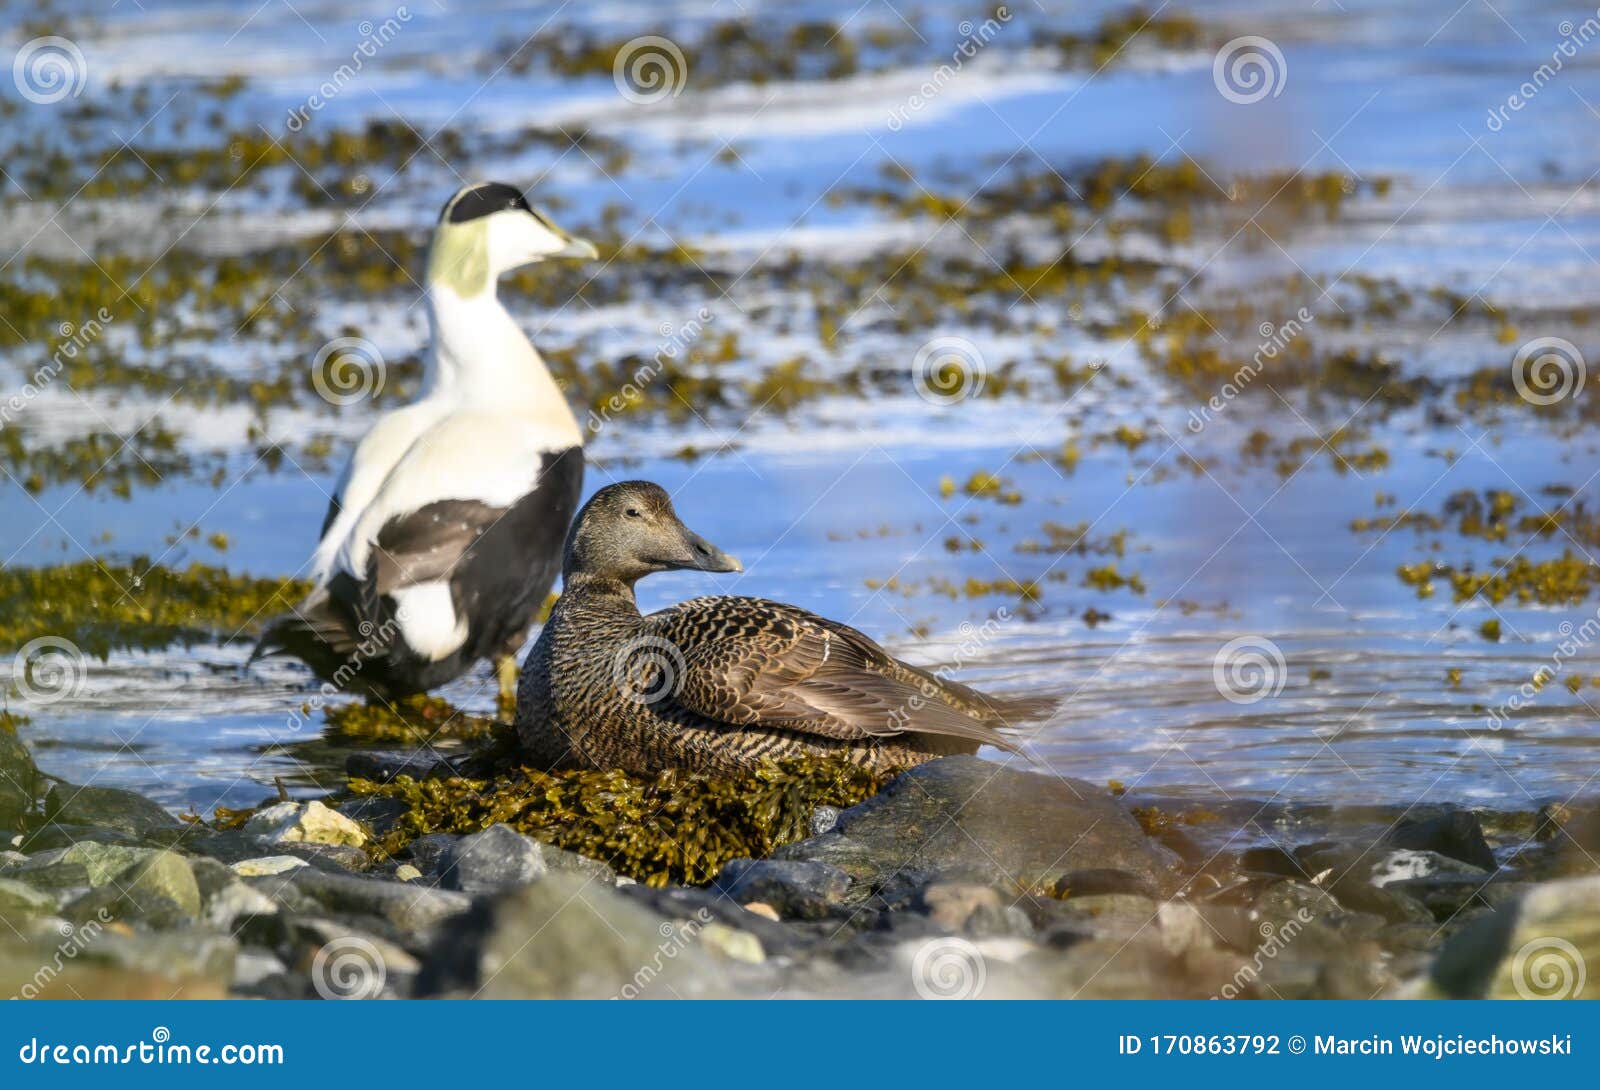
(411, 720)
(676, 826)
(103, 606)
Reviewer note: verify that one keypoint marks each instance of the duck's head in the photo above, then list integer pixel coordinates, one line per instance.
(488, 229)
(628, 530)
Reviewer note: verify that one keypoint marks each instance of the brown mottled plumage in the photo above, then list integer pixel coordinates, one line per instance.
(717, 684)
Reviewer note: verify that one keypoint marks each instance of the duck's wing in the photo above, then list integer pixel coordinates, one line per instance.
(751, 662)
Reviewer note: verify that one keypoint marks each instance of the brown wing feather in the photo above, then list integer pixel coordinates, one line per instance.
(751, 662)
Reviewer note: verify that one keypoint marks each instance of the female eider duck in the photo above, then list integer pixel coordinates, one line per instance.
(717, 684)
(445, 532)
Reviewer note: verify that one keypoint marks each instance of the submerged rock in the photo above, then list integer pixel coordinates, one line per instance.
(1457, 834)
(961, 817)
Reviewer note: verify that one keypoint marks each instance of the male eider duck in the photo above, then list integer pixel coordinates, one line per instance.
(717, 684)
(445, 531)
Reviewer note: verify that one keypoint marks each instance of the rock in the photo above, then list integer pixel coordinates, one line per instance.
(765, 911)
(405, 872)
(225, 908)
(267, 864)
(570, 938)
(19, 780)
(1539, 947)
(1283, 901)
(383, 767)
(796, 888)
(1090, 881)
(110, 807)
(962, 817)
(348, 963)
(304, 823)
(374, 812)
(407, 907)
(53, 875)
(102, 862)
(253, 965)
(96, 961)
(730, 942)
(20, 899)
(823, 819)
(1457, 834)
(961, 906)
(1410, 863)
(153, 889)
(498, 858)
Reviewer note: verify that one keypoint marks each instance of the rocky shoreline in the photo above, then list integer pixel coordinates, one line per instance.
(959, 879)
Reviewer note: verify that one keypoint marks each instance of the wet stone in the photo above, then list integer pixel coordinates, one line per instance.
(110, 807)
(796, 888)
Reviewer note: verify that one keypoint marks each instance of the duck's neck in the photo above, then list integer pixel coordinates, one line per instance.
(479, 356)
(599, 593)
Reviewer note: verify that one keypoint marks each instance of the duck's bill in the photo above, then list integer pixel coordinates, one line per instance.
(700, 555)
(578, 248)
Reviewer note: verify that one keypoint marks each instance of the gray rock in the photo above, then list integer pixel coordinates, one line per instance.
(102, 862)
(823, 819)
(267, 864)
(110, 807)
(1457, 834)
(159, 889)
(961, 817)
(227, 906)
(497, 858)
(797, 888)
(1541, 946)
(1406, 864)
(408, 907)
(567, 937)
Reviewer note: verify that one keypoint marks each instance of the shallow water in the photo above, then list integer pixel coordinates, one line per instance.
(828, 501)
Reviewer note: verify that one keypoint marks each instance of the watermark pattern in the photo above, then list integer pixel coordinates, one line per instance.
(647, 669)
(675, 339)
(1574, 638)
(675, 939)
(1249, 668)
(973, 640)
(75, 339)
(948, 968)
(1248, 69)
(75, 940)
(347, 370)
(948, 369)
(1573, 38)
(49, 69)
(1274, 340)
(1275, 939)
(1547, 370)
(375, 640)
(1549, 968)
(649, 69)
(973, 39)
(373, 38)
(349, 967)
(49, 669)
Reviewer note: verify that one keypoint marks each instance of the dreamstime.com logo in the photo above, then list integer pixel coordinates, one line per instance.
(347, 370)
(647, 669)
(650, 69)
(49, 669)
(1549, 968)
(1248, 669)
(1548, 370)
(349, 967)
(1249, 69)
(49, 69)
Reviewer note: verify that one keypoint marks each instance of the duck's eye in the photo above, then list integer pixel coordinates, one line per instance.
(633, 513)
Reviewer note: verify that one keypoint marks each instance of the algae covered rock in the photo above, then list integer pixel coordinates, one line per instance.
(106, 807)
(673, 827)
